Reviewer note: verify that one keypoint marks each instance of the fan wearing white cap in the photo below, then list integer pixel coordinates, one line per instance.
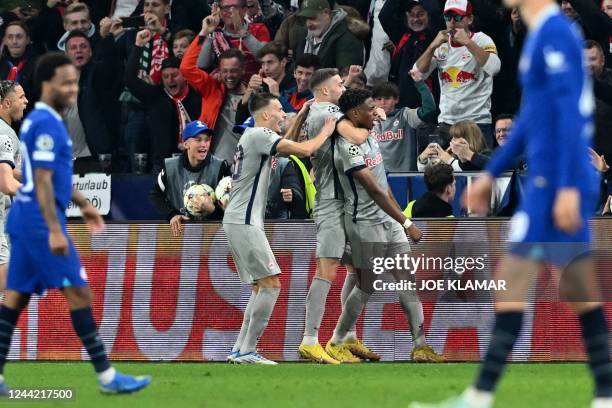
(466, 63)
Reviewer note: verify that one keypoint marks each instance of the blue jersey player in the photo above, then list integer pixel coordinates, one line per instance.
(42, 255)
(554, 130)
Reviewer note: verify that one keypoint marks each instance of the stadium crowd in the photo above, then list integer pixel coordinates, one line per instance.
(444, 75)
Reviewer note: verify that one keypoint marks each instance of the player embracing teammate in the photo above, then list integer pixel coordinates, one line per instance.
(375, 225)
(243, 220)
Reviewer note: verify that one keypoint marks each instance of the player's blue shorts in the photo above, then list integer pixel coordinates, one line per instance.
(533, 233)
(34, 269)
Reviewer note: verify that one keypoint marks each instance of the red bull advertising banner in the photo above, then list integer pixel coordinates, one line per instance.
(157, 297)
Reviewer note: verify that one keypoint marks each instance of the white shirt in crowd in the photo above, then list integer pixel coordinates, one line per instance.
(465, 86)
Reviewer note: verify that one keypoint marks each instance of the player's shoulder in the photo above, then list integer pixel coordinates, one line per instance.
(345, 146)
(324, 108)
(6, 132)
(557, 28)
(41, 119)
(257, 133)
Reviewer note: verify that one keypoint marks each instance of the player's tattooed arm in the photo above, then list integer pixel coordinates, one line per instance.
(305, 149)
(353, 134)
(8, 184)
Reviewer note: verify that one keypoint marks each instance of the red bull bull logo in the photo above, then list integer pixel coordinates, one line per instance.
(456, 77)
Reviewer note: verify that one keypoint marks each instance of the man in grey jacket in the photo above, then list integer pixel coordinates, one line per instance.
(327, 35)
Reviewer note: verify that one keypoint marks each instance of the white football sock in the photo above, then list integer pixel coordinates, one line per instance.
(351, 336)
(107, 376)
(310, 340)
(478, 398)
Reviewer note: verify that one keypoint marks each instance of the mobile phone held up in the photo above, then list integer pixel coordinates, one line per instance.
(133, 22)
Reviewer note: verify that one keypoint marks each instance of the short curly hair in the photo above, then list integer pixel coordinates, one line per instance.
(352, 98)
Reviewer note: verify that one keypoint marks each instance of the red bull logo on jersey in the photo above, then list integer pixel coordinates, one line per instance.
(456, 77)
(374, 161)
(389, 135)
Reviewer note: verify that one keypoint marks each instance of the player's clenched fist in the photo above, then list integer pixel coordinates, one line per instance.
(92, 217)
(414, 233)
(566, 210)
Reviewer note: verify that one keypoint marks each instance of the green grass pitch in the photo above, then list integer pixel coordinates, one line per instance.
(290, 385)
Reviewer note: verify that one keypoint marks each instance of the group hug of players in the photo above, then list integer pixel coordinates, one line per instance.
(355, 213)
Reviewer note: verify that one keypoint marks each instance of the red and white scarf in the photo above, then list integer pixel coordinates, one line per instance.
(153, 54)
(181, 112)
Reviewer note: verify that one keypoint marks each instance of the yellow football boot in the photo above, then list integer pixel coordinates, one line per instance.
(317, 354)
(426, 354)
(360, 350)
(341, 353)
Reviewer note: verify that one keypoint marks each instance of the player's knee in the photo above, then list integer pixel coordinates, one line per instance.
(77, 298)
(15, 300)
(327, 268)
(272, 282)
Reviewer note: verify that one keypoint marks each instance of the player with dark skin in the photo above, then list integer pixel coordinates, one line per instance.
(37, 264)
(59, 93)
(363, 117)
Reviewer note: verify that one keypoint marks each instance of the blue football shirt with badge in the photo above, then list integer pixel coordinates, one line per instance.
(45, 144)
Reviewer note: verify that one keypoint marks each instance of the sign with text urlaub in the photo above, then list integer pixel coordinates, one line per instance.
(96, 187)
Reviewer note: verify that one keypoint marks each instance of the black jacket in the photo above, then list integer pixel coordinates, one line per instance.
(409, 47)
(430, 205)
(495, 21)
(26, 77)
(162, 118)
(597, 25)
(99, 88)
(479, 161)
(603, 114)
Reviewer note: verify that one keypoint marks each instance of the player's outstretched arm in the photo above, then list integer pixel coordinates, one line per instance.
(305, 149)
(8, 184)
(46, 201)
(92, 217)
(353, 134)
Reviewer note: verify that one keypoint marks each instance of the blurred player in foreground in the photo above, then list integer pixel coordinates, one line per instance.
(243, 220)
(42, 255)
(12, 105)
(552, 225)
(375, 225)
